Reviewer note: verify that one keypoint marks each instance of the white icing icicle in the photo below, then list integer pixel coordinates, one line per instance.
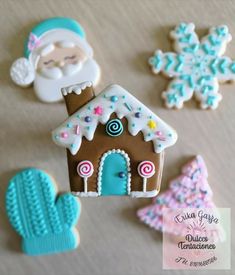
(77, 89)
(114, 99)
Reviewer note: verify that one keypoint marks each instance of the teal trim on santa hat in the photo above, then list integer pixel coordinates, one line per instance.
(48, 25)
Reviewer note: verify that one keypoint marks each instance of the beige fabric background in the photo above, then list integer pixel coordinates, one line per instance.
(124, 34)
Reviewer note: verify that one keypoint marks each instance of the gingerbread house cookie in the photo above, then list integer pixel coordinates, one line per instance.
(115, 144)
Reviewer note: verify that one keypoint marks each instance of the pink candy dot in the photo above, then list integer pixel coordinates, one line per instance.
(64, 134)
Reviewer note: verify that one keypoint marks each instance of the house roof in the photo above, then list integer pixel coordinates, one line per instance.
(113, 99)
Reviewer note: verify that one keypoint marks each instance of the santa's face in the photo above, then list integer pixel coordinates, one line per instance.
(61, 62)
(60, 67)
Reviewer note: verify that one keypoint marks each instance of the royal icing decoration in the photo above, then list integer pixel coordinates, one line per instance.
(188, 190)
(56, 54)
(45, 223)
(131, 135)
(197, 67)
(85, 170)
(98, 111)
(124, 176)
(146, 169)
(139, 117)
(114, 128)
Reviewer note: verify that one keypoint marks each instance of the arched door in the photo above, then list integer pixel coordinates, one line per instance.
(114, 174)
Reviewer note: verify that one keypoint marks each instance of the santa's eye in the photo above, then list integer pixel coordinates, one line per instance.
(49, 62)
(71, 57)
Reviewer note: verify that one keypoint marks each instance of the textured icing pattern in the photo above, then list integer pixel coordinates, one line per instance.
(188, 190)
(22, 72)
(114, 99)
(45, 224)
(196, 67)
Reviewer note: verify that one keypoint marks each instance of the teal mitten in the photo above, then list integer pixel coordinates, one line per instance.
(46, 224)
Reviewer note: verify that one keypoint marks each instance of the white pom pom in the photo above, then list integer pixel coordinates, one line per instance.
(22, 72)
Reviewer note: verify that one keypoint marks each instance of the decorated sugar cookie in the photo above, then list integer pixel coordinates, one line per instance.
(45, 223)
(188, 190)
(197, 67)
(115, 143)
(56, 54)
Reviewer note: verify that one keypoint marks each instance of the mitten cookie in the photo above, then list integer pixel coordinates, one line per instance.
(45, 223)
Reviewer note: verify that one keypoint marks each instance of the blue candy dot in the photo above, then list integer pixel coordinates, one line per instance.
(69, 125)
(87, 119)
(138, 114)
(114, 98)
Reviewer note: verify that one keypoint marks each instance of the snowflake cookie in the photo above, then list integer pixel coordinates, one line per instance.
(196, 67)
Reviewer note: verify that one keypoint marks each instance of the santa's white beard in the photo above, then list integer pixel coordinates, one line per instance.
(49, 90)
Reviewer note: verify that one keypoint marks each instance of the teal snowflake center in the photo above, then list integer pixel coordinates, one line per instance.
(196, 67)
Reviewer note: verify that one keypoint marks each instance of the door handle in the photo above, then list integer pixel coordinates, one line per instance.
(121, 175)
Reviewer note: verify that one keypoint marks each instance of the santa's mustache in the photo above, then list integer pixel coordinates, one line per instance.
(58, 72)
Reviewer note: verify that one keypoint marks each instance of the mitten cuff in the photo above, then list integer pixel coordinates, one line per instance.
(51, 243)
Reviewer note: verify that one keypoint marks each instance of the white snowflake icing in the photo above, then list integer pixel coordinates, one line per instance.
(196, 67)
(114, 99)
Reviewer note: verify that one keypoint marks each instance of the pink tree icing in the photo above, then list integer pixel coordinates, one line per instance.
(188, 190)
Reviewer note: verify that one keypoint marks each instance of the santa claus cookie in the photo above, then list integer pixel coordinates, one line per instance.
(115, 144)
(56, 54)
